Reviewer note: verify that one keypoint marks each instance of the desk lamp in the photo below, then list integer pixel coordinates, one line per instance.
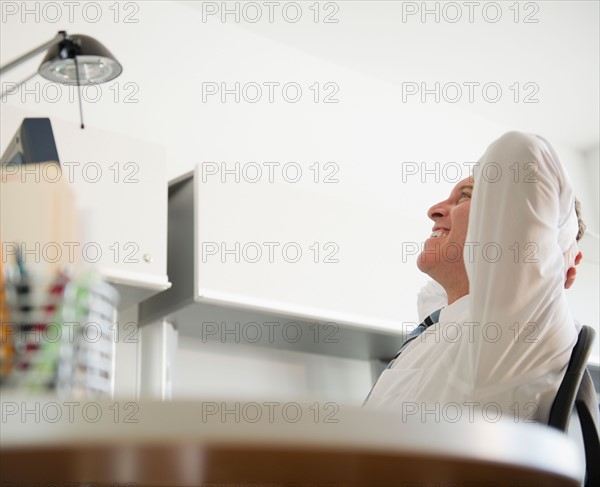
(72, 60)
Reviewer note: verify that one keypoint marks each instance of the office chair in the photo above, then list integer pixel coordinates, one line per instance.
(577, 389)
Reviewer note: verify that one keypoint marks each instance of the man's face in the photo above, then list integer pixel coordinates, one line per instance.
(441, 257)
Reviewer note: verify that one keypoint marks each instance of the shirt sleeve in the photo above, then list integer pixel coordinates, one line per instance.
(522, 220)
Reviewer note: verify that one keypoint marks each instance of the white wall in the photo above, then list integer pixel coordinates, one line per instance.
(370, 132)
(585, 304)
(591, 167)
(583, 171)
(255, 373)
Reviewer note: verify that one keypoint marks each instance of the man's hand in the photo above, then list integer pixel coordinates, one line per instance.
(572, 272)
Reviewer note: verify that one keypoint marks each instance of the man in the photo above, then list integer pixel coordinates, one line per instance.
(503, 248)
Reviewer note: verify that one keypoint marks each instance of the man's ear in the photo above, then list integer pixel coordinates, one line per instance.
(572, 272)
(570, 279)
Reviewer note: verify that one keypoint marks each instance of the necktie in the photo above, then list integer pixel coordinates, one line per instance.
(427, 322)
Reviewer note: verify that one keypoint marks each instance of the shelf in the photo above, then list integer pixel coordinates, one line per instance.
(215, 317)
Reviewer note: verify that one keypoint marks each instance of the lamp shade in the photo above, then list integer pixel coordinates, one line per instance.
(96, 63)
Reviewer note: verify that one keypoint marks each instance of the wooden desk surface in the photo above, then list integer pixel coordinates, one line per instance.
(50, 441)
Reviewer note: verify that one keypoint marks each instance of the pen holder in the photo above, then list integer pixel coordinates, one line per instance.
(58, 335)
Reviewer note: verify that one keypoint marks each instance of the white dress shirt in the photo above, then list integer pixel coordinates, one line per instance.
(501, 350)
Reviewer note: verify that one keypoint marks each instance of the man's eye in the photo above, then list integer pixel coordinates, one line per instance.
(463, 196)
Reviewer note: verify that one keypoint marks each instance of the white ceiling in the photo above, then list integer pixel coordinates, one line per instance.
(559, 54)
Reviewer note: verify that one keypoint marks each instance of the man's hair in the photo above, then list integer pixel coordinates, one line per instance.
(580, 223)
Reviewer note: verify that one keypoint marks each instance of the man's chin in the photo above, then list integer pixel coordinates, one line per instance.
(426, 262)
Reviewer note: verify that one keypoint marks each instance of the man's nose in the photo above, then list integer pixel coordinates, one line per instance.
(439, 210)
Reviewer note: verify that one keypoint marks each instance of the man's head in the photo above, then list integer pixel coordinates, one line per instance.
(442, 255)
(571, 271)
(580, 224)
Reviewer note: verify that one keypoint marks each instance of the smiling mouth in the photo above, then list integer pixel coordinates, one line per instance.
(439, 233)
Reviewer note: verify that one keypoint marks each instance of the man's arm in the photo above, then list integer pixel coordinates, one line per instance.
(522, 221)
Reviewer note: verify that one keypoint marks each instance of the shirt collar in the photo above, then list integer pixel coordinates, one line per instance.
(455, 311)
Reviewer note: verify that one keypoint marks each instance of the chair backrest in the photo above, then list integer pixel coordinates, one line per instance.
(587, 410)
(577, 389)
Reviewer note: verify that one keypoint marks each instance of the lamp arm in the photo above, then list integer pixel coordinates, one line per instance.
(44, 47)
